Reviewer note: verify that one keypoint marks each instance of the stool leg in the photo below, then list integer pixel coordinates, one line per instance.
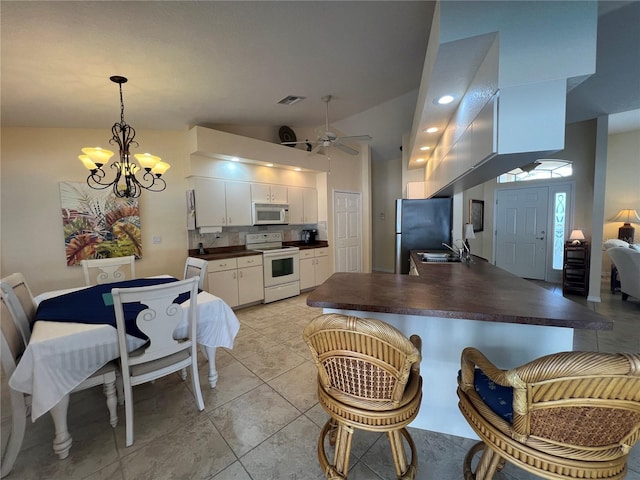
(404, 471)
(343, 449)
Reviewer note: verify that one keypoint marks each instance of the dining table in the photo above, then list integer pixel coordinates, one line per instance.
(74, 335)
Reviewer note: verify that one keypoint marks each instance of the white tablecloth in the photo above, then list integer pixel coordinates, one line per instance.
(61, 355)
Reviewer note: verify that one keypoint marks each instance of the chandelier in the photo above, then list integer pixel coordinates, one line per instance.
(125, 184)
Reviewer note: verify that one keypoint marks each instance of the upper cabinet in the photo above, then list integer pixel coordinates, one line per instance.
(222, 203)
(303, 205)
(265, 193)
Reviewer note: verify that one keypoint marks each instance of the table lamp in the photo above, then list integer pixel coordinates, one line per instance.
(576, 237)
(626, 231)
(468, 233)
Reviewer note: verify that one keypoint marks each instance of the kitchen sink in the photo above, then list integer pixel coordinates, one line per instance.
(438, 258)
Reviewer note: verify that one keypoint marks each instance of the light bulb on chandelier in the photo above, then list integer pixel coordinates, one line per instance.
(125, 183)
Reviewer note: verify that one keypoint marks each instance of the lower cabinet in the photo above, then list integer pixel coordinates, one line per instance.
(237, 281)
(314, 267)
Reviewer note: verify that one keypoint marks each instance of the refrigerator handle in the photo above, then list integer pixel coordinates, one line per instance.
(398, 215)
(398, 263)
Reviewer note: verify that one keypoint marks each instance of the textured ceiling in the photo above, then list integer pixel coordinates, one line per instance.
(208, 63)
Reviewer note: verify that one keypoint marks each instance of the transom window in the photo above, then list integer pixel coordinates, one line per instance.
(542, 169)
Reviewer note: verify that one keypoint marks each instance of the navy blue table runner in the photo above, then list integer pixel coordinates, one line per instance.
(94, 305)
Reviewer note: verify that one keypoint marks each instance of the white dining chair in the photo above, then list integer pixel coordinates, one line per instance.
(196, 267)
(163, 354)
(24, 311)
(13, 346)
(108, 270)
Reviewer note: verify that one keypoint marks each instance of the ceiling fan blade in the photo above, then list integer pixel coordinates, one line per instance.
(356, 138)
(291, 143)
(344, 148)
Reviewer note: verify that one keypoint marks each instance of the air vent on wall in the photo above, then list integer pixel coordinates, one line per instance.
(291, 99)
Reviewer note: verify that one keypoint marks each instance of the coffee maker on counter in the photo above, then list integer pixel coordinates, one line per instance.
(310, 236)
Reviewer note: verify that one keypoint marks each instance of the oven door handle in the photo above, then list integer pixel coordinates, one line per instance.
(278, 256)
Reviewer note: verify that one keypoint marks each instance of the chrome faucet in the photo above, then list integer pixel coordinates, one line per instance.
(451, 248)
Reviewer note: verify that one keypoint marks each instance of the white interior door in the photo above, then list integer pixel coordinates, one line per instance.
(347, 216)
(521, 231)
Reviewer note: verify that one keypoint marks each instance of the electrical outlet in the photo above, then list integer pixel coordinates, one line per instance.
(156, 239)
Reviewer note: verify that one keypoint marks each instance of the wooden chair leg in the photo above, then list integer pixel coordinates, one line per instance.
(487, 466)
(404, 471)
(344, 435)
(109, 389)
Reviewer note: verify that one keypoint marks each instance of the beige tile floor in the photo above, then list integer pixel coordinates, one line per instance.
(262, 421)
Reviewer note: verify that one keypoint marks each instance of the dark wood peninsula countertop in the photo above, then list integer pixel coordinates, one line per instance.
(479, 291)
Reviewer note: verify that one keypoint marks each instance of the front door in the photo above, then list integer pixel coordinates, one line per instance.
(521, 237)
(347, 222)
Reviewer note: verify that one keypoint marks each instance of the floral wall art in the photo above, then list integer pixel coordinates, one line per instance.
(97, 224)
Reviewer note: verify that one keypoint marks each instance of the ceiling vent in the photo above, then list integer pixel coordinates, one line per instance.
(290, 100)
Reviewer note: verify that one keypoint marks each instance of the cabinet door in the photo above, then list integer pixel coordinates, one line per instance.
(278, 194)
(238, 199)
(210, 202)
(296, 208)
(250, 284)
(260, 193)
(307, 273)
(310, 204)
(323, 270)
(224, 284)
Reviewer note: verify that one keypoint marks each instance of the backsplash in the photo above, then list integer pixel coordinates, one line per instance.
(231, 236)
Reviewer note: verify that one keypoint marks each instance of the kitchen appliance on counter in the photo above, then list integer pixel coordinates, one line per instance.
(281, 265)
(421, 225)
(309, 236)
(269, 214)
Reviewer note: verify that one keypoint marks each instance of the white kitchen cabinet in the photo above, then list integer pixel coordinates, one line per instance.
(303, 205)
(238, 196)
(250, 280)
(266, 193)
(222, 202)
(314, 267)
(310, 205)
(237, 281)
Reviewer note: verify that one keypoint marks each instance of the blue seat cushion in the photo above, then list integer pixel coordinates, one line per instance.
(498, 398)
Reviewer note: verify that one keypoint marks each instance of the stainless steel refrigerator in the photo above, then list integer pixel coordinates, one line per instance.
(421, 225)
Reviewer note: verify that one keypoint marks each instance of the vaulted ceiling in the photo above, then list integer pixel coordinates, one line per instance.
(208, 63)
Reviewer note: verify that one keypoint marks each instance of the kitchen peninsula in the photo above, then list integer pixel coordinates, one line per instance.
(453, 306)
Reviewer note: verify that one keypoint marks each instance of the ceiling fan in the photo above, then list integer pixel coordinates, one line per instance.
(330, 139)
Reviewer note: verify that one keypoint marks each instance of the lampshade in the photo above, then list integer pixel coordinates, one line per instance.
(99, 156)
(146, 160)
(627, 215)
(468, 231)
(576, 235)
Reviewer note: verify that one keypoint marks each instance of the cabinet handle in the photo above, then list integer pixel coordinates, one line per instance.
(240, 273)
(230, 221)
(235, 275)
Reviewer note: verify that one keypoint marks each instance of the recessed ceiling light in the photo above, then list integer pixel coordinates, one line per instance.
(269, 165)
(445, 99)
(235, 159)
(298, 169)
(431, 130)
(419, 160)
(424, 148)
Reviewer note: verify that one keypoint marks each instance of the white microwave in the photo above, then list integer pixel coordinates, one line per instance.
(270, 214)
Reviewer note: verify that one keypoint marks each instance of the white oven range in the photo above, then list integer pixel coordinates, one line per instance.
(281, 265)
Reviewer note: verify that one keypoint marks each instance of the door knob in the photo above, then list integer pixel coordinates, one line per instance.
(542, 237)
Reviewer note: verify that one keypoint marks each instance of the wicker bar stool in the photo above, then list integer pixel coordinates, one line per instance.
(569, 415)
(368, 378)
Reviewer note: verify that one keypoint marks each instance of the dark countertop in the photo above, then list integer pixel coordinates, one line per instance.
(479, 291)
(240, 250)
